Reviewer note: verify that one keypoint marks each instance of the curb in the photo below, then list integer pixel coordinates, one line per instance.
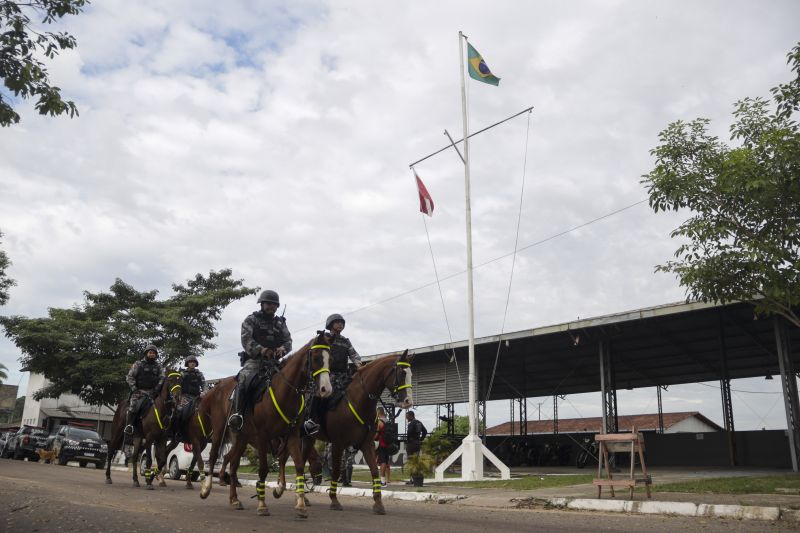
(367, 493)
(739, 512)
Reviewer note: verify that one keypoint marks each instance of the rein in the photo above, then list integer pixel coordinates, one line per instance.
(296, 389)
(377, 398)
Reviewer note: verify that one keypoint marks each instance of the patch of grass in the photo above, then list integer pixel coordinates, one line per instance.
(527, 482)
(734, 485)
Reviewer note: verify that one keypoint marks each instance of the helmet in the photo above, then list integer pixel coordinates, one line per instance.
(269, 296)
(333, 318)
(151, 347)
(190, 359)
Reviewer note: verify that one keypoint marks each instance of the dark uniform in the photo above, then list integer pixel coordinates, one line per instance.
(145, 378)
(415, 434)
(260, 331)
(193, 383)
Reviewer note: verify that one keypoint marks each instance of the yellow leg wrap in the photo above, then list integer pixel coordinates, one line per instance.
(261, 490)
(376, 485)
(334, 487)
(300, 485)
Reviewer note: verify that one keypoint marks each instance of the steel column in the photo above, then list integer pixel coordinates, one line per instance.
(511, 417)
(608, 388)
(523, 416)
(660, 410)
(482, 419)
(555, 414)
(725, 391)
(789, 385)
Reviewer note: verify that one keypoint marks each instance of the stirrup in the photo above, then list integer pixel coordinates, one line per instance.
(235, 422)
(128, 430)
(310, 427)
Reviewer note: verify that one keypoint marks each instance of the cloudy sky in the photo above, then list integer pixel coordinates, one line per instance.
(275, 138)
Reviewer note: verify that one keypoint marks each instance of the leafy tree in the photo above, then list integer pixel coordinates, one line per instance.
(19, 406)
(3, 373)
(21, 46)
(5, 282)
(742, 242)
(88, 349)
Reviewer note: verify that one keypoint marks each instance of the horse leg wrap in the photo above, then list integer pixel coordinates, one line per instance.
(261, 490)
(376, 485)
(334, 488)
(300, 485)
(189, 473)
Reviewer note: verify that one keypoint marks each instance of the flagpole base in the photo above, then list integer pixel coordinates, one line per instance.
(472, 451)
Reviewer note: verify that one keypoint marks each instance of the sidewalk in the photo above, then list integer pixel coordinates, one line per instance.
(778, 506)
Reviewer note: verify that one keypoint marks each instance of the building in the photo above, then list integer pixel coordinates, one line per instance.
(50, 413)
(8, 399)
(686, 422)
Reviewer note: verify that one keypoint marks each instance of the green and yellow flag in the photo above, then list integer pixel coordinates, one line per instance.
(478, 69)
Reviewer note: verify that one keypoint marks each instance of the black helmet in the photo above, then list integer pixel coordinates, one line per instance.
(335, 317)
(270, 297)
(190, 359)
(151, 347)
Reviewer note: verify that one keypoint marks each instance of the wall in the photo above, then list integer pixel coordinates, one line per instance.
(690, 425)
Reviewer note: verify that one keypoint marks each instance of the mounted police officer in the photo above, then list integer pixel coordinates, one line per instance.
(344, 360)
(193, 383)
(145, 379)
(264, 335)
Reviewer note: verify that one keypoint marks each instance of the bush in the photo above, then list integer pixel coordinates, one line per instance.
(438, 447)
(420, 465)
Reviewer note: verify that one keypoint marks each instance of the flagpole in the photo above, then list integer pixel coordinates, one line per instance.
(470, 294)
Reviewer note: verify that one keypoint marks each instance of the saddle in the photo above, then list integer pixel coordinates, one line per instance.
(256, 386)
(140, 408)
(340, 383)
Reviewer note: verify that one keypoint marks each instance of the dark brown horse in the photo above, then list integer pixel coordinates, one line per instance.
(353, 421)
(148, 431)
(276, 414)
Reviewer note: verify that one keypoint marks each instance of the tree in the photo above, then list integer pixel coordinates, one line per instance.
(3, 373)
(19, 406)
(88, 349)
(5, 282)
(743, 241)
(21, 46)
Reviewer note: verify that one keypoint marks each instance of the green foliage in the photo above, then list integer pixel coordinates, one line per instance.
(18, 408)
(734, 485)
(742, 242)
(3, 374)
(439, 446)
(419, 465)
(5, 282)
(87, 350)
(22, 43)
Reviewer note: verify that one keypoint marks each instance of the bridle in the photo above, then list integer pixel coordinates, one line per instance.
(299, 390)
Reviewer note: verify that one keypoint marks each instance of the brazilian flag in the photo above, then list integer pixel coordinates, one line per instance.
(478, 69)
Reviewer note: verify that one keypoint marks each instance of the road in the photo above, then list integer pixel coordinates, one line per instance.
(36, 497)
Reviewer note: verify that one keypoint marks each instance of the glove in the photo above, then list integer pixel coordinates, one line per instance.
(266, 352)
(280, 352)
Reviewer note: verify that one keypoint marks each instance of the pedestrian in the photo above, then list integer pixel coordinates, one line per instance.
(382, 451)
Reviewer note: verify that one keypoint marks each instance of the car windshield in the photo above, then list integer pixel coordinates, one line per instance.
(39, 433)
(76, 433)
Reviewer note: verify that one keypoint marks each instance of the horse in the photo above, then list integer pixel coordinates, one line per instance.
(350, 423)
(151, 431)
(270, 418)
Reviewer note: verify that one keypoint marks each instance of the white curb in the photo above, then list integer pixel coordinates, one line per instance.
(739, 512)
(367, 493)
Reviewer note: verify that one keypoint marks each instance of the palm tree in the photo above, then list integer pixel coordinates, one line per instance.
(3, 374)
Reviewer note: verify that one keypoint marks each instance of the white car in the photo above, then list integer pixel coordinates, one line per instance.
(180, 458)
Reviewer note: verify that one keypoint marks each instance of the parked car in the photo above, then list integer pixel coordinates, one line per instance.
(72, 443)
(25, 442)
(4, 437)
(179, 459)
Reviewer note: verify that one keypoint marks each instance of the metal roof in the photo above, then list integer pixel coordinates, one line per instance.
(664, 345)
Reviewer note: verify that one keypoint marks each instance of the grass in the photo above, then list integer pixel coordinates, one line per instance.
(527, 482)
(734, 485)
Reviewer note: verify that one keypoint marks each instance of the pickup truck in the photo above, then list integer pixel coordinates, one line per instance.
(84, 445)
(24, 443)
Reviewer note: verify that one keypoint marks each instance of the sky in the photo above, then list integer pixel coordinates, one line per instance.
(275, 138)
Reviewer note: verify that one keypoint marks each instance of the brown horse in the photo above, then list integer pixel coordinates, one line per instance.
(275, 414)
(352, 421)
(149, 430)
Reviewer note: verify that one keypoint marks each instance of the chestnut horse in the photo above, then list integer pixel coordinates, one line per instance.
(270, 419)
(353, 421)
(148, 430)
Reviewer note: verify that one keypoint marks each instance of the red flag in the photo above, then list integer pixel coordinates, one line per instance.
(425, 200)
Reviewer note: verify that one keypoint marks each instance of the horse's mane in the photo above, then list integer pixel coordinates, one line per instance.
(376, 362)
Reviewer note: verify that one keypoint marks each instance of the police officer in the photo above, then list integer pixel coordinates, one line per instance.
(264, 335)
(344, 360)
(193, 382)
(145, 378)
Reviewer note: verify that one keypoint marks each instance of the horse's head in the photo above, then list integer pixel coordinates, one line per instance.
(398, 381)
(319, 360)
(172, 385)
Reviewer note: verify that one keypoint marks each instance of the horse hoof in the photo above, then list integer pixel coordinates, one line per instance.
(277, 494)
(189, 487)
(237, 505)
(162, 484)
(336, 506)
(305, 500)
(263, 511)
(377, 508)
(150, 487)
(136, 484)
(108, 481)
(301, 513)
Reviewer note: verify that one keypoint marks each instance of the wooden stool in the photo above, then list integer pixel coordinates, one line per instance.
(621, 442)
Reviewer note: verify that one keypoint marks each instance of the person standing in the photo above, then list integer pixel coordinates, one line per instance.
(264, 336)
(384, 469)
(145, 379)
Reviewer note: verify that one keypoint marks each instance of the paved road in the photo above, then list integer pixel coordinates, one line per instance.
(37, 497)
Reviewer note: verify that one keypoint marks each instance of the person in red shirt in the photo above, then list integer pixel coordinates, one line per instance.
(384, 469)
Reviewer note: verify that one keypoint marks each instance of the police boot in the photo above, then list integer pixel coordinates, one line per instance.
(128, 423)
(236, 420)
(310, 426)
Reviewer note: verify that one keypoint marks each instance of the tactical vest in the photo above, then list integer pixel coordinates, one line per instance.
(267, 331)
(148, 375)
(190, 384)
(340, 354)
